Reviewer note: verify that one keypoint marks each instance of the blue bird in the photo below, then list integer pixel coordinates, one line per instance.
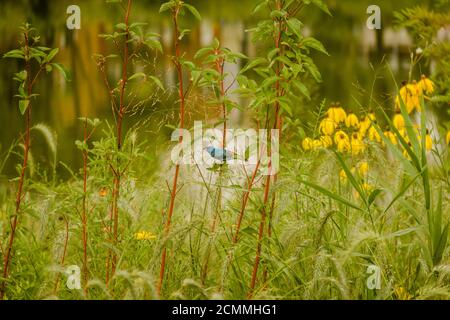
(219, 154)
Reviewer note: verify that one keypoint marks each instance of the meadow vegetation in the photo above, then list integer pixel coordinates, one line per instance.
(357, 187)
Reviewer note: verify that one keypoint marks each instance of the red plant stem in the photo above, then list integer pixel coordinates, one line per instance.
(268, 178)
(84, 213)
(244, 203)
(19, 196)
(114, 216)
(63, 257)
(220, 68)
(173, 194)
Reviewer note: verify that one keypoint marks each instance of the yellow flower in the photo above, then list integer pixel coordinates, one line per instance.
(398, 121)
(144, 235)
(428, 142)
(339, 136)
(374, 135)
(363, 169)
(365, 125)
(316, 144)
(343, 176)
(307, 144)
(352, 121)
(426, 85)
(326, 141)
(337, 114)
(343, 146)
(391, 136)
(371, 116)
(448, 138)
(367, 187)
(402, 294)
(357, 145)
(327, 126)
(409, 94)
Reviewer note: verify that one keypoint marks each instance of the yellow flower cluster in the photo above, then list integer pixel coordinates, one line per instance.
(345, 131)
(411, 93)
(349, 134)
(144, 235)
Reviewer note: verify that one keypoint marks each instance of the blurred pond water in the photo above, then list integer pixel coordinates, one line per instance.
(347, 73)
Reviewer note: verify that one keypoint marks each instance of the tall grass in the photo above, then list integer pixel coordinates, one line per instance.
(310, 232)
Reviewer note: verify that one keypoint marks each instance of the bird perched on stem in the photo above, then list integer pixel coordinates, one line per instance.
(220, 154)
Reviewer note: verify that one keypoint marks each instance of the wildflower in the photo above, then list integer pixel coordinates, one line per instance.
(337, 114)
(352, 121)
(343, 146)
(343, 176)
(144, 235)
(365, 124)
(409, 94)
(327, 126)
(428, 142)
(366, 187)
(103, 192)
(357, 145)
(342, 141)
(416, 94)
(326, 141)
(425, 85)
(371, 116)
(374, 135)
(363, 169)
(307, 144)
(448, 138)
(398, 121)
(316, 144)
(402, 294)
(391, 136)
(339, 136)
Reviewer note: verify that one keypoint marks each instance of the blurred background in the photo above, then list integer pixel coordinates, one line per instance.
(348, 73)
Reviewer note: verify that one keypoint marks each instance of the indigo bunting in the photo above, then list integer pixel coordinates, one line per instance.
(219, 154)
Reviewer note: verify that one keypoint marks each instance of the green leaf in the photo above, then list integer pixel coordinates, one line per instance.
(315, 44)
(157, 82)
(166, 6)
(373, 196)
(331, 195)
(253, 63)
(351, 177)
(194, 11)
(137, 75)
(121, 26)
(295, 26)
(320, 4)
(302, 88)
(62, 70)
(16, 54)
(23, 106)
(51, 55)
